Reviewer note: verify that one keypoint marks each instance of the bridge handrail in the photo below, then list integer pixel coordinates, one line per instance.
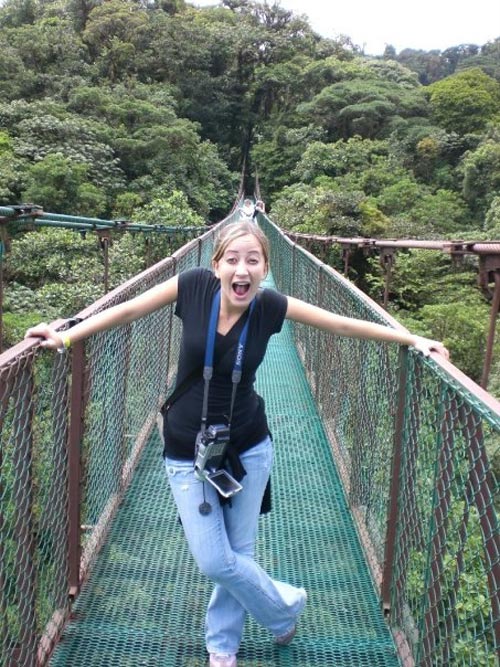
(72, 428)
(415, 442)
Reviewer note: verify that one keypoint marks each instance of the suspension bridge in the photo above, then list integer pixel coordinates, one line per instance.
(385, 497)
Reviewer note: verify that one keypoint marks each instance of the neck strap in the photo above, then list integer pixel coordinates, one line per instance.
(208, 367)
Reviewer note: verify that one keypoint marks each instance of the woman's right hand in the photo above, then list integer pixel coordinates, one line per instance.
(51, 339)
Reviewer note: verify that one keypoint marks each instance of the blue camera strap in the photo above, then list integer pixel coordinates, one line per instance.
(209, 357)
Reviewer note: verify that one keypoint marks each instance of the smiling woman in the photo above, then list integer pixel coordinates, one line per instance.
(240, 262)
(217, 415)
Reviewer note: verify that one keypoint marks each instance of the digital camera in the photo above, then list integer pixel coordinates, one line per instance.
(210, 450)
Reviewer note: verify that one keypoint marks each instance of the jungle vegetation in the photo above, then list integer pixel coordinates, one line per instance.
(147, 110)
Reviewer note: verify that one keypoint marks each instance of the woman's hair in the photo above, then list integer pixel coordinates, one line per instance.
(235, 230)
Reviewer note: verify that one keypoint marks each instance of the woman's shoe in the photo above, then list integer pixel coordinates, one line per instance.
(222, 660)
(284, 640)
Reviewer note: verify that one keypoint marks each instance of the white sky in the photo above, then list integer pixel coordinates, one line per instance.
(419, 24)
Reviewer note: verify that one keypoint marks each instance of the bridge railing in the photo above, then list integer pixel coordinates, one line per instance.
(71, 430)
(417, 444)
(414, 440)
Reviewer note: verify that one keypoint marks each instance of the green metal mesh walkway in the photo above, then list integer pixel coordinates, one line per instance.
(144, 604)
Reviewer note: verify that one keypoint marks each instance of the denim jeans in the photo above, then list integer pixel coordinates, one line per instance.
(223, 543)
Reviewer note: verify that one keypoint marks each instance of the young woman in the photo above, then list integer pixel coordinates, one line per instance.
(228, 301)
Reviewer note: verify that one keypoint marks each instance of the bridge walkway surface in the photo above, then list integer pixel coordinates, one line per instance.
(144, 603)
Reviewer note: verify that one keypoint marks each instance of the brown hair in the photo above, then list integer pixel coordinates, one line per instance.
(233, 231)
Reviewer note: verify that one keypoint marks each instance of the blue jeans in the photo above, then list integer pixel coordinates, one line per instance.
(223, 544)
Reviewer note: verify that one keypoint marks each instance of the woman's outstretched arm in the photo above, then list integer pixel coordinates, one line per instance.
(123, 313)
(300, 311)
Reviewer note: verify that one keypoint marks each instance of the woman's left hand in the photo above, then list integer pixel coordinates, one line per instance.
(426, 346)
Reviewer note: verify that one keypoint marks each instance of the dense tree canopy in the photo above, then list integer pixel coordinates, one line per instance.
(149, 111)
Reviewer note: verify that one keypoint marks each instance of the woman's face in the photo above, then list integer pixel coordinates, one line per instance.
(241, 269)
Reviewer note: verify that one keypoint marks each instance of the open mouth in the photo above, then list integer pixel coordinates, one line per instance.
(241, 289)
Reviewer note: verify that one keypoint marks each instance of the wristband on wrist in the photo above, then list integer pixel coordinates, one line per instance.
(66, 344)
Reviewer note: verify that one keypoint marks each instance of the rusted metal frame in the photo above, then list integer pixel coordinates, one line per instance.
(147, 243)
(104, 236)
(451, 247)
(198, 250)
(387, 256)
(435, 565)
(75, 436)
(24, 529)
(489, 271)
(58, 506)
(481, 482)
(393, 510)
(460, 563)
(346, 254)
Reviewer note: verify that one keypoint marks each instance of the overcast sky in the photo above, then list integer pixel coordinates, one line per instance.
(419, 24)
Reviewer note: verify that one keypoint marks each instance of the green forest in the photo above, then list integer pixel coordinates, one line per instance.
(149, 112)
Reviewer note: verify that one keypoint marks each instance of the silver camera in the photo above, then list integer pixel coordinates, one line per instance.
(210, 451)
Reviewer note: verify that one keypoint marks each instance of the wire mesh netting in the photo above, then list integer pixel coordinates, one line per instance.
(447, 569)
(145, 602)
(408, 436)
(33, 522)
(406, 516)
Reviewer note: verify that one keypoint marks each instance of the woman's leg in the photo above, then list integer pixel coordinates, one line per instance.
(222, 543)
(225, 615)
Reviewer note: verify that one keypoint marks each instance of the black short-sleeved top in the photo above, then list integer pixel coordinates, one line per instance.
(196, 291)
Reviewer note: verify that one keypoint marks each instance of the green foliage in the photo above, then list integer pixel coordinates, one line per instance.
(16, 324)
(465, 102)
(416, 270)
(461, 326)
(148, 111)
(481, 175)
(492, 218)
(127, 257)
(169, 210)
(434, 298)
(368, 106)
(5, 143)
(51, 274)
(12, 176)
(58, 184)
(463, 591)
(278, 155)
(320, 210)
(374, 222)
(339, 158)
(53, 255)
